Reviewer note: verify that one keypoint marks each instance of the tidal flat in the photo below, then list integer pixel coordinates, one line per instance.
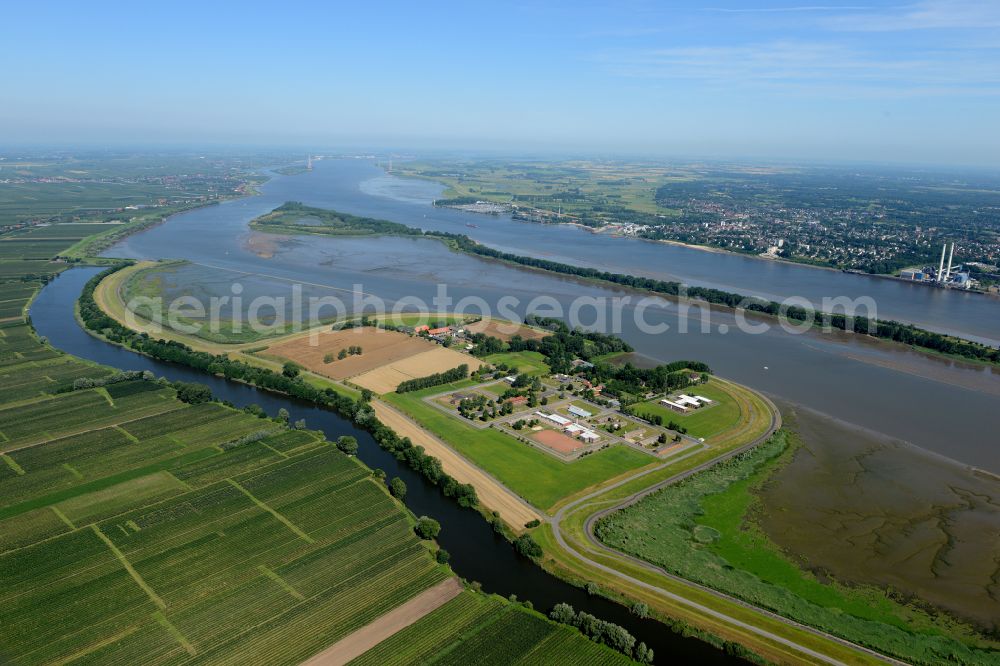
(862, 508)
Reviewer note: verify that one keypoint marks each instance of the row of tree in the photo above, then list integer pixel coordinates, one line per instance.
(602, 631)
(438, 378)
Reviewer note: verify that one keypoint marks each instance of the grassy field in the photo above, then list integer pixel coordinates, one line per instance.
(705, 422)
(534, 475)
(702, 529)
(525, 362)
(474, 628)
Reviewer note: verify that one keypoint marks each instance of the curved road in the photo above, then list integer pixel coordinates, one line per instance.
(557, 519)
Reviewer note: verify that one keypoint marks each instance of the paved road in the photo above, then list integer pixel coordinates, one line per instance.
(556, 521)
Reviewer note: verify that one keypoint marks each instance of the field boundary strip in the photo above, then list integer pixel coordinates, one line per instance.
(282, 583)
(262, 505)
(174, 632)
(387, 625)
(155, 598)
(62, 516)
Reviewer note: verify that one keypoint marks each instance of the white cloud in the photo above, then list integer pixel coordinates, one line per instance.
(925, 15)
(812, 67)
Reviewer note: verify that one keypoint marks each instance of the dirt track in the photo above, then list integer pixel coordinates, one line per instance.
(492, 494)
(357, 643)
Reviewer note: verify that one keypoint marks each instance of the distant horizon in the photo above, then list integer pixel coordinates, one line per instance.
(402, 153)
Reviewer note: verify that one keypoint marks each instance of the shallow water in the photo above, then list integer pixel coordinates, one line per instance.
(862, 508)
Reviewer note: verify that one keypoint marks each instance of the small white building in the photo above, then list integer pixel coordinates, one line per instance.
(578, 411)
(555, 418)
(673, 405)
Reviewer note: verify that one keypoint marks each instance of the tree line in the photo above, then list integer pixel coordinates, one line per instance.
(446, 377)
(883, 329)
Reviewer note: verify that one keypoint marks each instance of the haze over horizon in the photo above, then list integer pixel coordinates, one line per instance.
(878, 81)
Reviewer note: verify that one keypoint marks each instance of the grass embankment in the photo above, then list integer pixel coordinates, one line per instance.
(701, 530)
(536, 476)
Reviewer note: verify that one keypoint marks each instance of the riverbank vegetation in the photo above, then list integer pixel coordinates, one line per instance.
(702, 529)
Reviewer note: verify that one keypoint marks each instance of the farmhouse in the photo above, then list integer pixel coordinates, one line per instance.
(439, 331)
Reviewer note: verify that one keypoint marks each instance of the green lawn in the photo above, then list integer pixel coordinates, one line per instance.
(534, 475)
(525, 362)
(707, 421)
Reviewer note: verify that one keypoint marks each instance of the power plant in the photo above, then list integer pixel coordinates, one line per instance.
(945, 276)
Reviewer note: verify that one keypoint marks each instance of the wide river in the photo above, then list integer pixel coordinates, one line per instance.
(947, 407)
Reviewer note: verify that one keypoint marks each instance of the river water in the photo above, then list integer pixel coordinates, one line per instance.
(945, 406)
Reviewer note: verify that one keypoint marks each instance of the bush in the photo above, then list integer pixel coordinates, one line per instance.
(397, 488)
(192, 392)
(347, 444)
(533, 523)
(527, 546)
(442, 556)
(563, 613)
(427, 528)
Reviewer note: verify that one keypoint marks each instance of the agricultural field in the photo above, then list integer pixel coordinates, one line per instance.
(386, 358)
(538, 477)
(163, 532)
(478, 629)
(378, 347)
(707, 421)
(387, 377)
(702, 529)
(308, 543)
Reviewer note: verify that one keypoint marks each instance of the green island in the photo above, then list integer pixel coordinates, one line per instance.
(906, 334)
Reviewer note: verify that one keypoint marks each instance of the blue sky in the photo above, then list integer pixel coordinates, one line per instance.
(818, 79)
